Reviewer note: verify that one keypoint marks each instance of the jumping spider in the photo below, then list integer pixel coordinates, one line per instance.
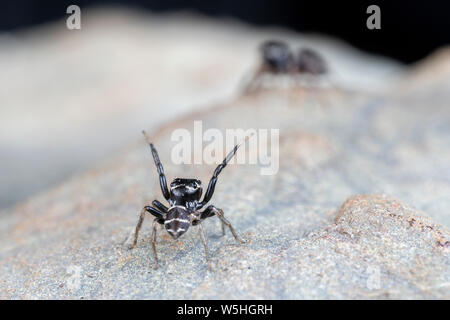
(184, 200)
(278, 59)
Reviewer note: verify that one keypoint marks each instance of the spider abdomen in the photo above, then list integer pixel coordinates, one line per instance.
(177, 221)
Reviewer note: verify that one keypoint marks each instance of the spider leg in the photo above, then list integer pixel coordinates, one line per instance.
(210, 211)
(160, 206)
(138, 227)
(159, 167)
(154, 229)
(255, 82)
(159, 219)
(202, 236)
(212, 183)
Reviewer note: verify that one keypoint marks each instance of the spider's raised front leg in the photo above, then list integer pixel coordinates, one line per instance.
(159, 168)
(212, 183)
(210, 211)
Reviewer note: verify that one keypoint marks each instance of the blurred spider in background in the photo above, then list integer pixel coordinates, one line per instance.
(279, 62)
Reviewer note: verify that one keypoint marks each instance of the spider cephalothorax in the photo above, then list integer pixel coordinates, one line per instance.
(183, 197)
(184, 191)
(277, 57)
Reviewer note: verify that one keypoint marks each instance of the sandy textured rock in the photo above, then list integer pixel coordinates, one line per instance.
(70, 242)
(358, 209)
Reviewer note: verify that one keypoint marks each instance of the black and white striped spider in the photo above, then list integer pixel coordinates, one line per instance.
(185, 205)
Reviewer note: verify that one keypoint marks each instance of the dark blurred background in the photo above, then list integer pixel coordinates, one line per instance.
(410, 30)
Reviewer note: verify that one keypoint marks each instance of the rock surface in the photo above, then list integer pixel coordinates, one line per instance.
(327, 225)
